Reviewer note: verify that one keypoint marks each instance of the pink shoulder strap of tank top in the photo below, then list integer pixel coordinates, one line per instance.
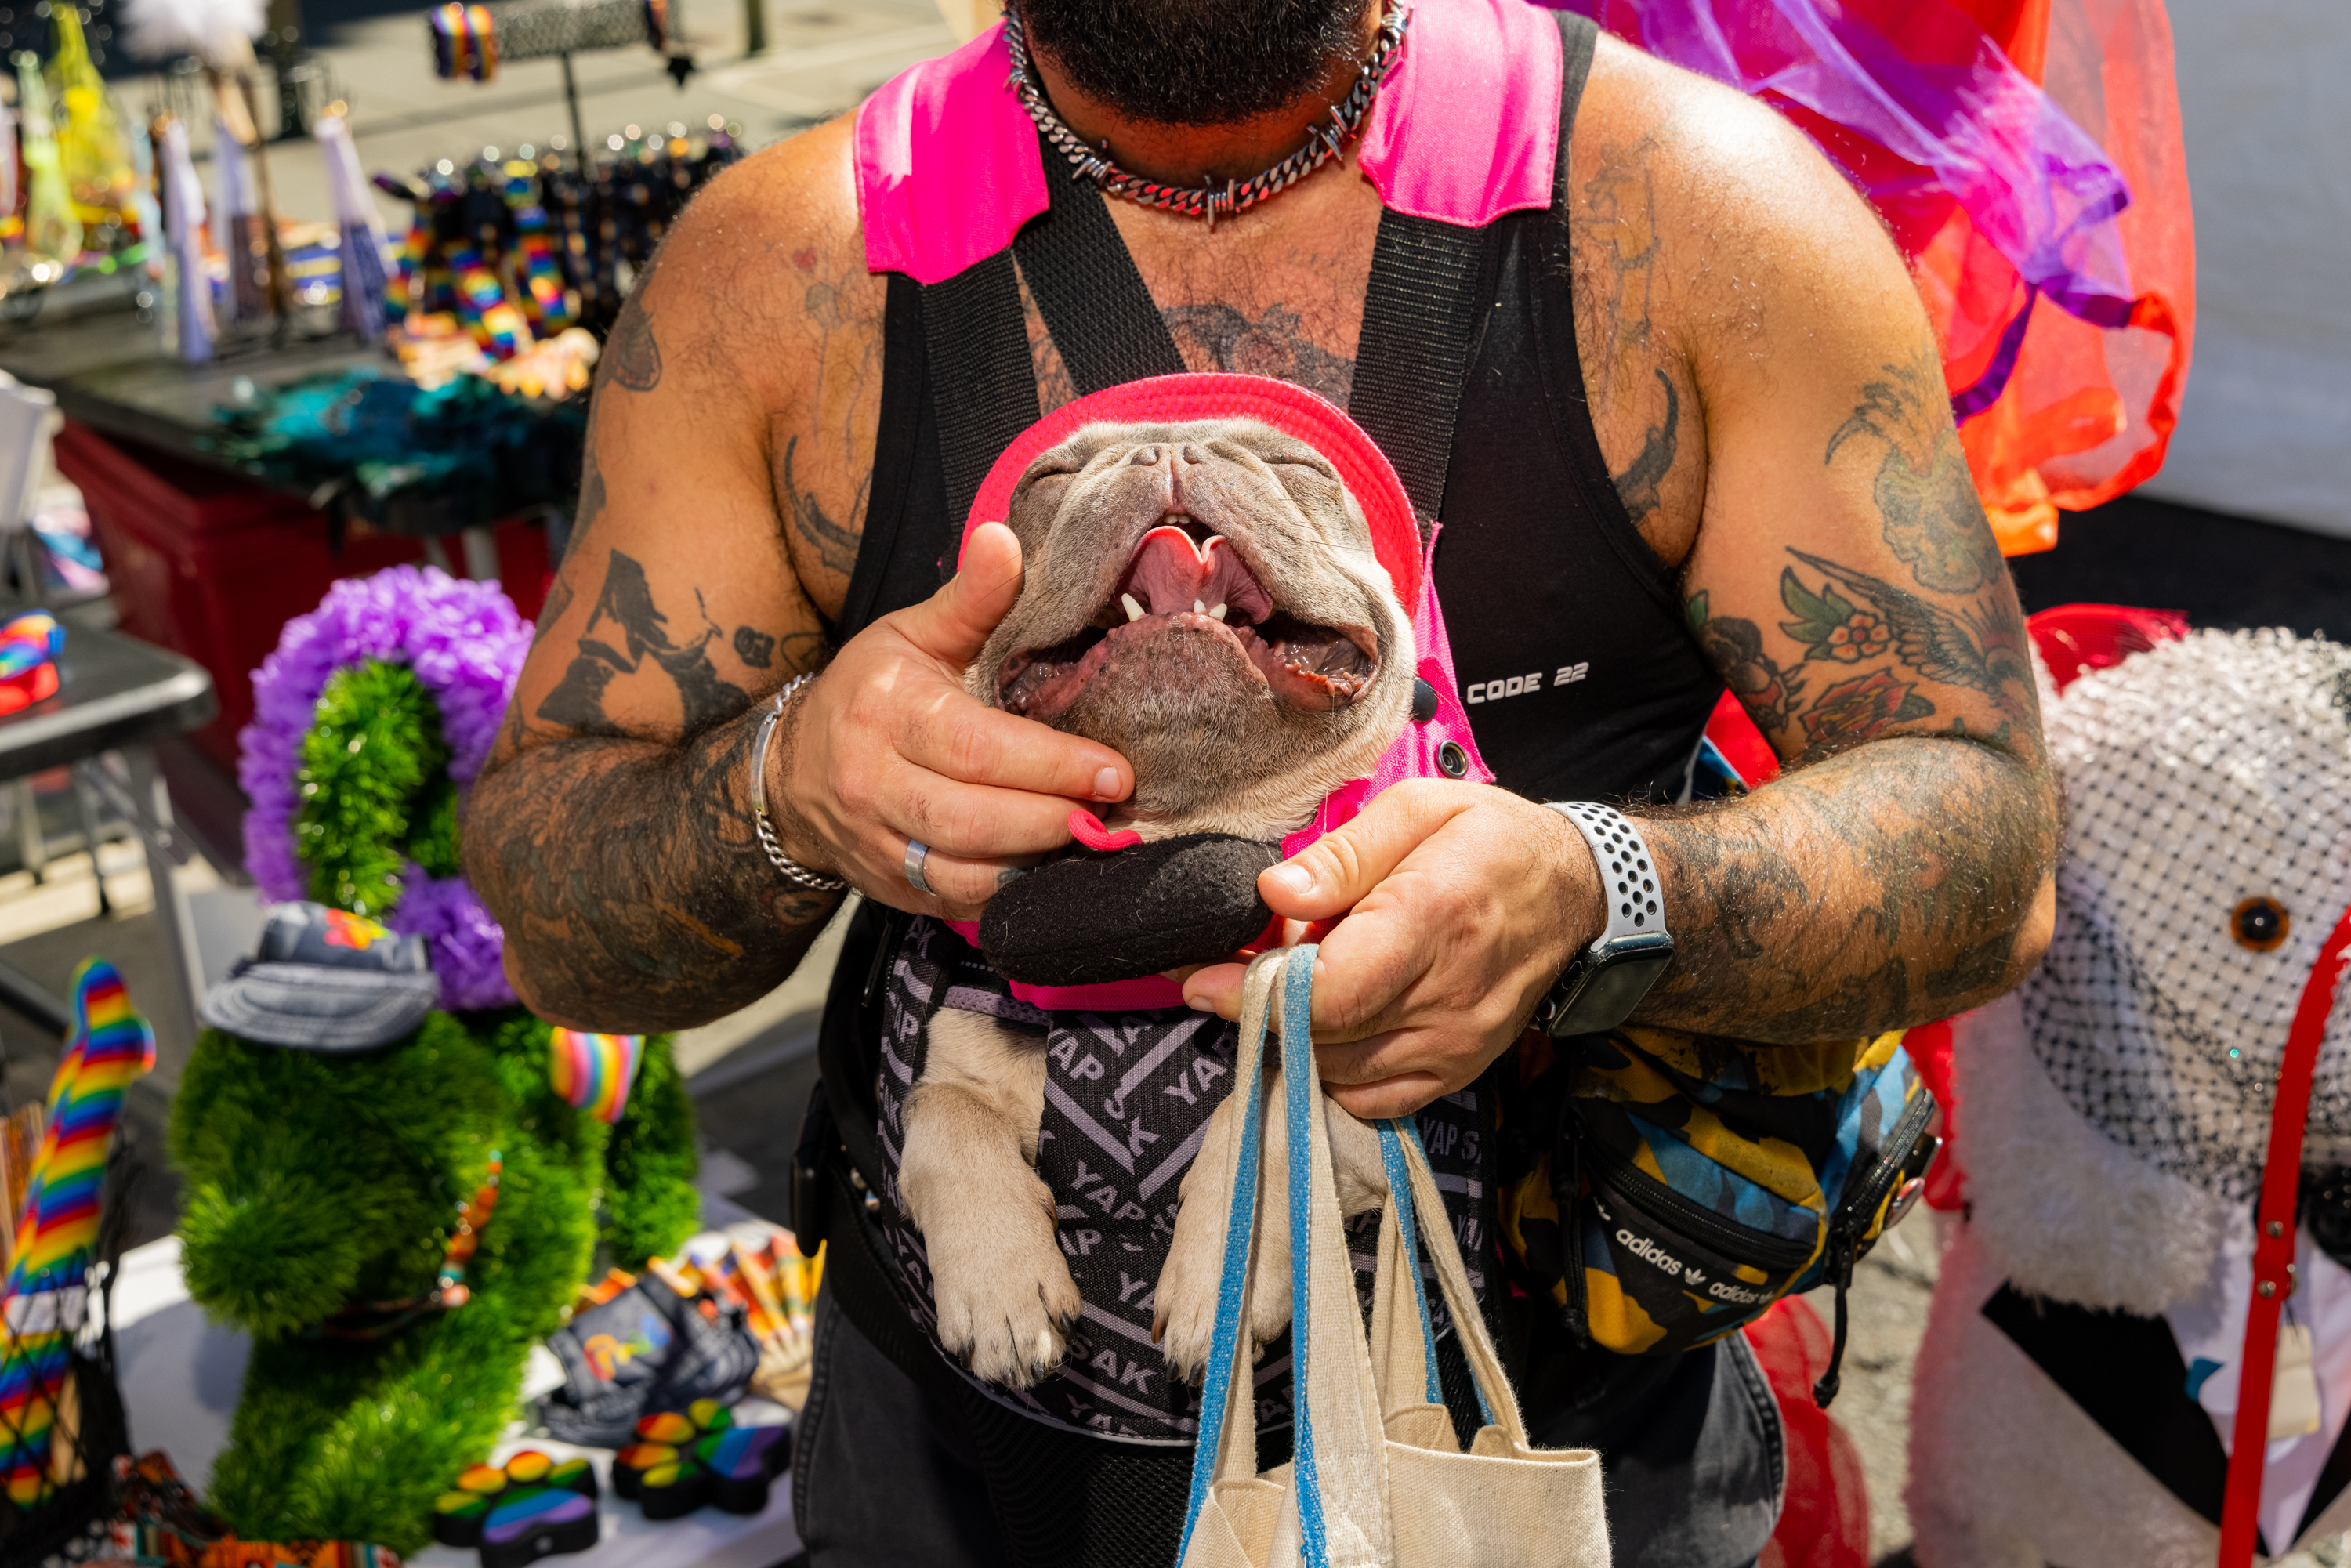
(1465, 129)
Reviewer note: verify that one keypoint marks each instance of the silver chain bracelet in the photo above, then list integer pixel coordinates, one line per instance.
(761, 823)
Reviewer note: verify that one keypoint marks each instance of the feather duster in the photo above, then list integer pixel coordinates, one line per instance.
(219, 32)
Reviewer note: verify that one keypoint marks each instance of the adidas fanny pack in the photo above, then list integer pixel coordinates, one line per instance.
(1694, 1181)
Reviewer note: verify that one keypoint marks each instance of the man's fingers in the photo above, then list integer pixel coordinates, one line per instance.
(1330, 875)
(1397, 1096)
(953, 624)
(961, 888)
(974, 820)
(959, 738)
(1214, 990)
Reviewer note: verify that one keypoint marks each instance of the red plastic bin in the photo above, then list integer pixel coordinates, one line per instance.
(212, 565)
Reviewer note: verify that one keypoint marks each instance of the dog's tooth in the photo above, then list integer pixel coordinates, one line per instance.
(1199, 607)
(1133, 609)
(1219, 612)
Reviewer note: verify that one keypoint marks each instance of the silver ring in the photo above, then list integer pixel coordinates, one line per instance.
(917, 853)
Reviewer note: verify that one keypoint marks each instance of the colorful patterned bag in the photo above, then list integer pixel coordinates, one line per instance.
(1701, 1179)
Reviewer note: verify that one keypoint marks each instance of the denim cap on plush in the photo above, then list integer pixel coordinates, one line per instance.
(324, 980)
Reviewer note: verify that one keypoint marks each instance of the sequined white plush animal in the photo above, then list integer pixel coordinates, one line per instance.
(2077, 1385)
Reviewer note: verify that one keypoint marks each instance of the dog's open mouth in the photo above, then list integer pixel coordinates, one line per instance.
(1183, 579)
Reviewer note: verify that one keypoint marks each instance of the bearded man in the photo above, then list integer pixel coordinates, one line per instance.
(1669, 383)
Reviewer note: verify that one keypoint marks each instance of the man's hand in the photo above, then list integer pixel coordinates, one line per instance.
(1461, 904)
(886, 746)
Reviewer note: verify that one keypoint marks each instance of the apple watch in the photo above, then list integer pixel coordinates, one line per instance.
(1608, 980)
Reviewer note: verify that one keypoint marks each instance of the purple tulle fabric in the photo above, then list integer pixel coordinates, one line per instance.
(467, 644)
(2037, 188)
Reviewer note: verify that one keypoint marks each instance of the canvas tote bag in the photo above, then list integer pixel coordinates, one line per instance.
(1378, 1478)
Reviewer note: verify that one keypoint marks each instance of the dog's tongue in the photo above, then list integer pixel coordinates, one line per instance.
(1168, 573)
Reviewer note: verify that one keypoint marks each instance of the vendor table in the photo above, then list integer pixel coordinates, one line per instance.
(112, 374)
(115, 695)
(180, 1375)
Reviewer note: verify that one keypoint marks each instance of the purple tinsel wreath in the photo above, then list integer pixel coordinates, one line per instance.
(466, 643)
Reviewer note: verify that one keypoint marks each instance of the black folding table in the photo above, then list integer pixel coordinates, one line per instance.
(117, 697)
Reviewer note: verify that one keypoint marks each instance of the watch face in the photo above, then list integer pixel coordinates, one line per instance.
(1609, 982)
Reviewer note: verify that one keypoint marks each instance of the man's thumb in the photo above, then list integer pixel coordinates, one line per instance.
(953, 624)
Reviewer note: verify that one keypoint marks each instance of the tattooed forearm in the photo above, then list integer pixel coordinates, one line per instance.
(632, 889)
(623, 868)
(1885, 887)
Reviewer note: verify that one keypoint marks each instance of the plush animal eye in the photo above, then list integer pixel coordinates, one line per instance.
(2259, 923)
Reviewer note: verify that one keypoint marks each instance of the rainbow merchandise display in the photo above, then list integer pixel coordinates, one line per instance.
(682, 1459)
(646, 1343)
(2027, 159)
(44, 1304)
(395, 1204)
(360, 245)
(558, 245)
(158, 1523)
(29, 646)
(465, 42)
(484, 309)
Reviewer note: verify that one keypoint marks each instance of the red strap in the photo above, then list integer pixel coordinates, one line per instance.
(2274, 1252)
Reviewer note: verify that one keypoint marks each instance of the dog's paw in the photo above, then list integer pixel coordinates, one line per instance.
(1185, 1324)
(1005, 1298)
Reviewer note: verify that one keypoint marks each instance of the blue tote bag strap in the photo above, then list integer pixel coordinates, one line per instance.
(1227, 1407)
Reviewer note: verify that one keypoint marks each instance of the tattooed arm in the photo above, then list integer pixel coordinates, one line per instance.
(730, 452)
(1844, 580)
(1770, 402)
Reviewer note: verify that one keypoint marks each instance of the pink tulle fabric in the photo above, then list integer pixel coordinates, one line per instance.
(2026, 155)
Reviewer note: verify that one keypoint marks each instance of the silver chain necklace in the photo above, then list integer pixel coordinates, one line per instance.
(1322, 143)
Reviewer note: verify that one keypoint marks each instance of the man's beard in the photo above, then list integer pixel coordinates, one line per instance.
(1195, 62)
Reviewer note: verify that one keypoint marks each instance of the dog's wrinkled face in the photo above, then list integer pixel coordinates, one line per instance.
(1205, 598)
